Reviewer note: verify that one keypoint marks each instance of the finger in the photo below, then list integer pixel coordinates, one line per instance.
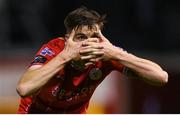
(97, 53)
(89, 63)
(85, 51)
(102, 36)
(93, 40)
(96, 59)
(86, 44)
(87, 57)
(92, 47)
(71, 36)
(90, 51)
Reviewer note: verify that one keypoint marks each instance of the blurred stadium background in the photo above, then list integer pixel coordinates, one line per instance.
(146, 28)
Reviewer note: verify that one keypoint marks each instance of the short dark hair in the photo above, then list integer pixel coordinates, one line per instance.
(83, 17)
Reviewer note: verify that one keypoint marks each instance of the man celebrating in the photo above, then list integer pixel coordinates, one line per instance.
(66, 71)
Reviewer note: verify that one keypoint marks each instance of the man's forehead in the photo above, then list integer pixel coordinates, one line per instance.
(87, 29)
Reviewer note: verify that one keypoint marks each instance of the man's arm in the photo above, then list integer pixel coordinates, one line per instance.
(140, 67)
(37, 76)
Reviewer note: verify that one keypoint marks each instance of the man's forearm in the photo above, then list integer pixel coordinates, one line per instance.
(33, 80)
(142, 67)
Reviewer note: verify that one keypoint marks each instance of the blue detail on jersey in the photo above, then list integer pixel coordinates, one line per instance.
(47, 51)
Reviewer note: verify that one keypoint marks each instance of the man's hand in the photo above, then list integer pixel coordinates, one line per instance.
(97, 50)
(72, 48)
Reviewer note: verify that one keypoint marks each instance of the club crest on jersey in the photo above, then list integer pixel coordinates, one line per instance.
(47, 51)
(95, 74)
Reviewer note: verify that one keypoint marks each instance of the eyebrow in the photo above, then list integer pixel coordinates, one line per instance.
(79, 34)
(95, 34)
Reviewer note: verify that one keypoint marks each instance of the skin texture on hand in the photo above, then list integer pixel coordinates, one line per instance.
(72, 48)
(99, 50)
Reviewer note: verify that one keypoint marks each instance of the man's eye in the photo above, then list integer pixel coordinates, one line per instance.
(81, 38)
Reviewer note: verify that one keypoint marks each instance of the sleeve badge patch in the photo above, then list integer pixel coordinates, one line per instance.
(47, 51)
(39, 59)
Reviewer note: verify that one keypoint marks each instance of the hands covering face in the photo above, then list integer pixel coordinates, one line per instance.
(95, 49)
(90, 50)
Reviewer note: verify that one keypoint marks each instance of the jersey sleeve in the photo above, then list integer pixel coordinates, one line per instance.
(117, 66)
(48, 51)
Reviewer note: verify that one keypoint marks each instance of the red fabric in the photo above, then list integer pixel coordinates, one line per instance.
(70, 90)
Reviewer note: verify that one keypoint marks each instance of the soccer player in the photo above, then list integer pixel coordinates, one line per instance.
(66, 71)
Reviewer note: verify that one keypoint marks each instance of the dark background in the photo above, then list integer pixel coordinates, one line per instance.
(146, 28)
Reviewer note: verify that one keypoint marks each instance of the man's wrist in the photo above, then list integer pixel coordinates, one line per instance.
(63, 57)
(116, 52)
(120, 54)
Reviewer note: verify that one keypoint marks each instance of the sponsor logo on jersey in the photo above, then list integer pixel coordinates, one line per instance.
(47, 51)
(79, 93)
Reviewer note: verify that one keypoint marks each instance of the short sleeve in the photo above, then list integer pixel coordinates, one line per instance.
(48, 51)
(117, 66)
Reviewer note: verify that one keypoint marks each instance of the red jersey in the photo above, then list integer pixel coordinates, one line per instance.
(70, 90)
